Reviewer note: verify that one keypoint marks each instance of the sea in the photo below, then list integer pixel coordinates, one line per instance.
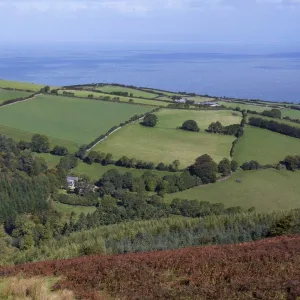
(267, 72)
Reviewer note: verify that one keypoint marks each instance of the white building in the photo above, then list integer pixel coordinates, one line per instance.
(72, 182)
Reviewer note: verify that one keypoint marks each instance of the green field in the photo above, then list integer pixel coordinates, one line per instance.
(199, 98)
(96, 171)
(51, 160)
(170, 94)
(266, 190)
(165, 145)
(173, 118)
(68, 209)
(8, 95)
(292, 113)
(265, 146)
(122, 99)
(136, 93)
(293, 124)
(20, 85)
(68, 119)
(258, 108)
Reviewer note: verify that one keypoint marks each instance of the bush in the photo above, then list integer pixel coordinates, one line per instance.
(251, 165)
(190, 125)
(59, 151)
(273, 113)
(150, 120)
(224, 167)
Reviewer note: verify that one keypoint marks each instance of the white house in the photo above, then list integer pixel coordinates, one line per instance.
(182, 100)
(72, 181)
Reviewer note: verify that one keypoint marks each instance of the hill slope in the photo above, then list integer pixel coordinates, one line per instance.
(267, 269)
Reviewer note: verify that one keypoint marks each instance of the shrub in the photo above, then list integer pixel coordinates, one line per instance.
(251, 165)
(190, 125)
(150, 120)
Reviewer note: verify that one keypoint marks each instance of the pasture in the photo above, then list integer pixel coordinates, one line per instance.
(267, 190)
(264, 146)
(96, 171)
(199, 98)
(292, 113)
(67, 119)
(68, 209)
(293, 124)
(85, 94)
(173, 118)
(21, 85)
(9, 95)
(242, 106)
(135, 92)
(165, 144)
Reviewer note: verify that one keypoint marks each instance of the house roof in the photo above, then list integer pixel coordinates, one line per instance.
(69, 178)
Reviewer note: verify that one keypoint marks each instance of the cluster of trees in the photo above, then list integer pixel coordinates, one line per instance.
(234, 129)
(240, 133)
(190, 125)
(292, 163)
(75, 238)
(273, 113)
(251, 165)
(114, 183)
(69, 94)
(73, 199)
(123, 94)
(150, 120)
(275, 126)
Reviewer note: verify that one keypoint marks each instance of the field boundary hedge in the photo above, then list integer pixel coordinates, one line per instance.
(11, 101)
(234, 143)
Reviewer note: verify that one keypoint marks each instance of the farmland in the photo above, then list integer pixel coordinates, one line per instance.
(20, 85)
(135, 92)
(9, 94)
(242, 106)
(64, 118)
(263, 189)
(85, 94)
(171, 118)
(265, 146)
(165, 144)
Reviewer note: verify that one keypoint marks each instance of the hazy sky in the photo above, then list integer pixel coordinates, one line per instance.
(233, 21)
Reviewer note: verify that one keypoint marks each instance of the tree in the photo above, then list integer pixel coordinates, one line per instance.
(251, 165)
(204, 168)
(108, 159)
(92, 157)
(215, 127)
(59, 151)
(150, 120)
(234, 165)
(40, 144)
(68, 162)
(81, 152)
(190, 125)
(224, 167)
(176, 164)
(24, 145)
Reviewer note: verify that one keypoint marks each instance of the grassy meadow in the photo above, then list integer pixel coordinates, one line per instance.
(172, 118)
(67, 119)
(9, 95)
(136, 93)
(265, 146)
(68, 209)
(292, 113)
(242, 106)
(96, 95)
(267, 190)
(293, 124)
(165, 144)
(21, 85)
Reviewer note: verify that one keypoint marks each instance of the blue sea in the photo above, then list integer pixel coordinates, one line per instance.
(243, 71)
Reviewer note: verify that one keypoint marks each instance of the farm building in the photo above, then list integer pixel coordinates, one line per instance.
(72, 181)
(182, 100)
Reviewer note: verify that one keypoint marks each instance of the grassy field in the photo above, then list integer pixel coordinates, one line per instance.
(122, 99)
(8, 95)
(96, 171)
(258, 108)
(273, 119)
(68, 119)
(21, 85)
(165, 145)
(170, 94)
(172, 118)
(199, 98)
(68, 209)
(136, 93)
(265, 146)
(51, 160)
(266, 190)
(292, 113)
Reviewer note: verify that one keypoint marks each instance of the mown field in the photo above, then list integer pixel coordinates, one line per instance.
(20, 85)
(8, 95)
(165, 144)
(96, 171)
(136, 93)
(69, 209)
(258, 108)
(172, 118)
(85, 94)
(64, 118)
(265, 146)
(267, 190)
(292, 113)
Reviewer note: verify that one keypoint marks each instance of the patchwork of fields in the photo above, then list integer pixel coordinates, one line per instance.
(20, 85)
(68, 120)
(266, 190)
(265, 146)
(9, 95)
